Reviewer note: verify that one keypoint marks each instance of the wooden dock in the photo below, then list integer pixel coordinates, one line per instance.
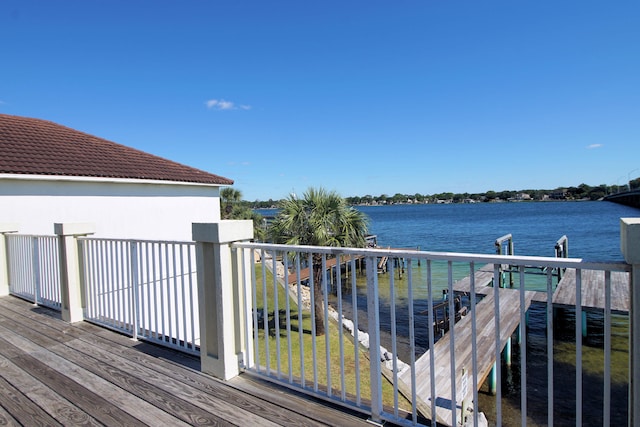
(592, 289)
(564, 294)
(509, 306)
(483, 278)
(305, 273)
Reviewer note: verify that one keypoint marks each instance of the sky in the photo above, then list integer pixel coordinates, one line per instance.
(361, 97)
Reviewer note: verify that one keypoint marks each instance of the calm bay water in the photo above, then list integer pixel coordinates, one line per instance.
(592, 227)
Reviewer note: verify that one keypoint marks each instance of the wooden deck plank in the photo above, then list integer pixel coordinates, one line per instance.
(6, 419)
(58, 407)
(139, 372)
(21, 409)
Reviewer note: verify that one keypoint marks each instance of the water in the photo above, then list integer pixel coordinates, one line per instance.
(593, 228)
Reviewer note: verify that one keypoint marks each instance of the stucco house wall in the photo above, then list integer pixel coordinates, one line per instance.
(137, 210)
(127, 199)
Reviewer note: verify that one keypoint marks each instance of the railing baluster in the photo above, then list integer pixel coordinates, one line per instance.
(325, 305)
(343, 394)
(373, 316)
(35, 265)
(183, 301)
(174, 320)
(579, 327)
(254, 313)
(146, 293)
(133, 256)
(550, 397)
(394, 346)
(607, 350)
(300, 328)
(432, 357)
(276, 312)
(354, 310)
(285, 260)
(265, 314)
(498, 371)
(412, 340)
(193, 295)
(451, 320)
(156, 255)
(313, 324)
(474, 341)
(523, 349)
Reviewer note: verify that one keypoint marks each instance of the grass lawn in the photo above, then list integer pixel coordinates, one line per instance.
(299, 340)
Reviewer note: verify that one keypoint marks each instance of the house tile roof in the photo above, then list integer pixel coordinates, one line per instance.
(39, 147)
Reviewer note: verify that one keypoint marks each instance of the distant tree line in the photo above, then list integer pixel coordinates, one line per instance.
(581, 192)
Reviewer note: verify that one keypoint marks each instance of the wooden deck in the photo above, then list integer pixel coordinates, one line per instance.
(53, 373)
(509, 301)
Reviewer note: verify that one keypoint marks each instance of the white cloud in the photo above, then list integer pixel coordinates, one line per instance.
(592, 146)
(221, 104)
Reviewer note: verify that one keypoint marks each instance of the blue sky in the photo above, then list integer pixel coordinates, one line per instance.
(361, 97)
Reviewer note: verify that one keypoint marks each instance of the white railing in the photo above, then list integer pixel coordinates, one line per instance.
(281, 345)
(33, 264)
(146, 289)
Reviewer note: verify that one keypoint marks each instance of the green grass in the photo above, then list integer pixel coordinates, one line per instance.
(301, 321)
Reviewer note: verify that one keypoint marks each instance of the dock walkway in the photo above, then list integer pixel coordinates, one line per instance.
(305, 273)
(509, 305)
(483, 278)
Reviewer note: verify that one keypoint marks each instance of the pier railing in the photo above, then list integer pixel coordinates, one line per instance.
(254, 311)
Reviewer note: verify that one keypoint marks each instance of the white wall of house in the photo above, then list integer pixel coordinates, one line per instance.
(119, 208)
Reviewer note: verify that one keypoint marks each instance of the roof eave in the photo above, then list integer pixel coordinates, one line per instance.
(91, 179)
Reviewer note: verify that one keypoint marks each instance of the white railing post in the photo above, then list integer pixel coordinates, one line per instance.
(4, 257)
(70, 274)
(630, 247)
(220, 296)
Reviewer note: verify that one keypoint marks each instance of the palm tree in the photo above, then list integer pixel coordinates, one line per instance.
(320, 218)
(232, 207)
(228, 197)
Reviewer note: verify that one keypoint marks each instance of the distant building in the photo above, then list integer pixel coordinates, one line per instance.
(50, 174)
(559, 194)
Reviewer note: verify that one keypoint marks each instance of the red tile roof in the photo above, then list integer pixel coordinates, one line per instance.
(39, 147)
